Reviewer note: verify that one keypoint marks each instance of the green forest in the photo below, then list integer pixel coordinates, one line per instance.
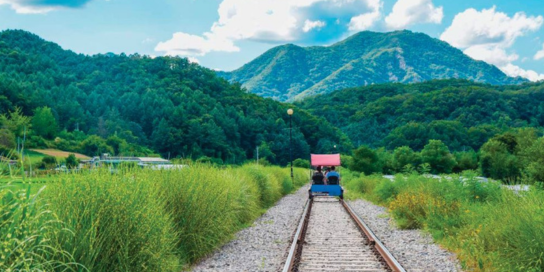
(461, 113)
(142, 106)
(138, 105)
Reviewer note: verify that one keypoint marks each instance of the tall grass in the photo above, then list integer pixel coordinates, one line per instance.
(27, 234)
(136, 219)
(490, 228)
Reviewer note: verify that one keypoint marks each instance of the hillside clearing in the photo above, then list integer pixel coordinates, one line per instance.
(60, 153)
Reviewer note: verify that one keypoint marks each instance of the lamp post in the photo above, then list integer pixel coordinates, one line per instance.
(334, 149)
(290, 113)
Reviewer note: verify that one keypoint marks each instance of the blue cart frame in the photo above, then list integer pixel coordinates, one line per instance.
(325, 190)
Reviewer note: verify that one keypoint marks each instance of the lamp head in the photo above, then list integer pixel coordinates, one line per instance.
(290, 111)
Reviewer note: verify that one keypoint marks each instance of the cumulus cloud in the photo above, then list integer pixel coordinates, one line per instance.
(42, 6)
(270, 21)
(367, 20)
(409, 12)
(193, 60)
(309, 25)
(539, 54)
(192, 45)
(491, 54)
(486, 35)
(514, 71)
(488, 26)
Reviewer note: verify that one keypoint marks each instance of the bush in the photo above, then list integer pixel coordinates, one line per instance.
(301, 163)
(365, 160)
(438, 156)
(71, 161)
(403, 156)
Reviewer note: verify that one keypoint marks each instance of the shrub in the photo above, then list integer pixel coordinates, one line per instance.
(365, 160)
(386, 191)
(438, 156)
(71, 161)
(301, 163)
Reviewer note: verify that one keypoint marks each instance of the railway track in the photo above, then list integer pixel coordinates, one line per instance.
(331, 237)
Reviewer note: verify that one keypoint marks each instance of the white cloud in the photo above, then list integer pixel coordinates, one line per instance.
(193, 60)
(472, 27)
(486, 35)
(513, 70)
(269, 21)
(491, 54)
(192, 45)
(309, 25)
(41, 6)
(408, 12)
(367, 20)
(539, 54)
(147, 40)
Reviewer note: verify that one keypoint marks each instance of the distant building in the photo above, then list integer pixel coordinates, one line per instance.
(112, 160)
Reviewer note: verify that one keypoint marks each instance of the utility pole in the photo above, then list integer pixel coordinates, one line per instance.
(290, 113)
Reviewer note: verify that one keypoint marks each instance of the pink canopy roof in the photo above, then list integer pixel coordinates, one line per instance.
(325, 160)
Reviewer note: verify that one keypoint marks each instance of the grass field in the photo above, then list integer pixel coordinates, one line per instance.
(489, 228)
(134, 219)
(59, 153)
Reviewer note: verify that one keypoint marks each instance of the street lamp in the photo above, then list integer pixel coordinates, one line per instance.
(290, 113)
(334, 149)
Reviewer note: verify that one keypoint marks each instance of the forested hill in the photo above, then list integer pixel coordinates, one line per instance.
(291, 72)
(167, 104)
(461, 113)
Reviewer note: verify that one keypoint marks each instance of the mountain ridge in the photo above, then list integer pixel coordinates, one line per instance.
(291, 72)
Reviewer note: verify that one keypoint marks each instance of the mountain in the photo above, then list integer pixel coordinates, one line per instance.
(291, 72)
(175, 107)
(461, 113)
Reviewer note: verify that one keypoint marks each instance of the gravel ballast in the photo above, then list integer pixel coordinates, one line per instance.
(263, 246)
(414, 250)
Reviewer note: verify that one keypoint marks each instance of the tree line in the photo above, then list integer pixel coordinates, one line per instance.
(138, 105)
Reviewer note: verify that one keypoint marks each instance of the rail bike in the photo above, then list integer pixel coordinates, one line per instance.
(322, 186)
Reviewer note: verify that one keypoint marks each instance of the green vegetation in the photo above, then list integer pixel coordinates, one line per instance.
(291, 72)
(489, 228)
(462, 114)
(138, 105)
(134, 220)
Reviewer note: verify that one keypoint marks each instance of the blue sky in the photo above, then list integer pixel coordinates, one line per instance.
(225, 34)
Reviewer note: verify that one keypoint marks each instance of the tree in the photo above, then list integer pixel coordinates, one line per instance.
(301, 163)
(16, 122)
(7, 138)
(48, 162)
(365, 160)
(438, 156)
(44, 123)
(498, 162)
(71, 161)
(403, 156)
(94, 145)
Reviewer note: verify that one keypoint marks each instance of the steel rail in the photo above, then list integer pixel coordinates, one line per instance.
(297, 239)
(392, 263)
(374, 242)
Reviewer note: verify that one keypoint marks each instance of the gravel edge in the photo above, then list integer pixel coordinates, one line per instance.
(264, 245)
(415, 250)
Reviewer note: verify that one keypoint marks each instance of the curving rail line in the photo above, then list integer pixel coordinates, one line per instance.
(331, 237)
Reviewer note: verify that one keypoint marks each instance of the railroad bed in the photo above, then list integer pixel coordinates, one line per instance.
(331, 238)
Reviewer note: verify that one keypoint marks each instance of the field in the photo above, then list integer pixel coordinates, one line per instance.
(133, 220)
(60, 154)
(489, 228)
